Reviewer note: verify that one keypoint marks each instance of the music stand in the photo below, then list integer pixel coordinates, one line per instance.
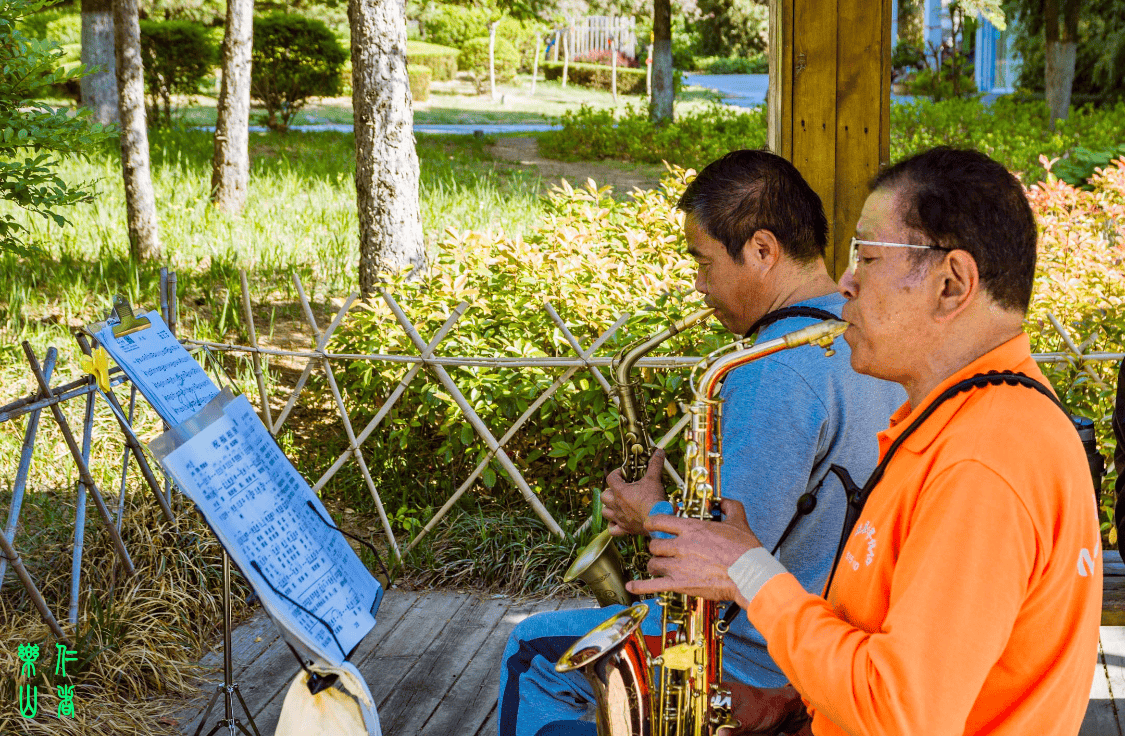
(228, 688)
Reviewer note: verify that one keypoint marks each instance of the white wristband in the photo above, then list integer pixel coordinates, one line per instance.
(753, 570)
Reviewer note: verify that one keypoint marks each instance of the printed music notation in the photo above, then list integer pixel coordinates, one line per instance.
(259, 507)
(163, 371)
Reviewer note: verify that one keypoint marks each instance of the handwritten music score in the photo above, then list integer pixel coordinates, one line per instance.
(164, 372)
(258, 505)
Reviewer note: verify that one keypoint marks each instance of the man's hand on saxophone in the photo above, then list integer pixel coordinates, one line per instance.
(697, 559)
(626, 505)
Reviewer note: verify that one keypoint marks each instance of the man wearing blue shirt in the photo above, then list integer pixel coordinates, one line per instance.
(757, 232)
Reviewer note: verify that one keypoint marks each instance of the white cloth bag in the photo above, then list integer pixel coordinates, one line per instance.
(330, 712)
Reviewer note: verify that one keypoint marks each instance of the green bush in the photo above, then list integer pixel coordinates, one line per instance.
(593, 258)
(694, 139)
(294, 58)
(419, 82)
(453, 25)
(732, 27)
(474, 59)
(66, 30)
(756, 64)
(177, 57)
(1014, 131)
(1082, 164)
(521, 34)
(442, 60)
(597, 76)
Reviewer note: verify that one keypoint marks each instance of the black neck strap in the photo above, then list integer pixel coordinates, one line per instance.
(857, 497)
(786, 312)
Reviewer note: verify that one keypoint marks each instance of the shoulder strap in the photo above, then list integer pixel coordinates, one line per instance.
(786, 312)
(857, 497)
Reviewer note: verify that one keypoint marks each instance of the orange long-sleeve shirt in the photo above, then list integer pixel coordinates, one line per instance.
(968, 598)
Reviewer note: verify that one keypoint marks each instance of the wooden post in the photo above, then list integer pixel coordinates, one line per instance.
(492, 60)
(566, 54)
(613, 53)
(535, 64)
(829, 103)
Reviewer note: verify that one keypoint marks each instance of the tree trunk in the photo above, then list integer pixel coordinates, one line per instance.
(386, 171)
(660, 109)
(230, 166)
(140, 202)
(1062, 50)
(99, 90)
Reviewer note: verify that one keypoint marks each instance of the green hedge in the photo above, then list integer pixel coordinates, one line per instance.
(419, 82)
(442, 60)
(596, 76)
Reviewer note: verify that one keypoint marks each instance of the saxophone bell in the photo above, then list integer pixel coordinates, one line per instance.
(615, 661)
(599, 565)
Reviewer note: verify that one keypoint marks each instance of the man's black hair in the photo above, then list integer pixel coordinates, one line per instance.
(747, 191)
(962, 199)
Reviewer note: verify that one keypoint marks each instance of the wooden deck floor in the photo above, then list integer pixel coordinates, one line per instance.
(433, 660)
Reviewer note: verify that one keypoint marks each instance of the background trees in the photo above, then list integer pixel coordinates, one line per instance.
(34, 135)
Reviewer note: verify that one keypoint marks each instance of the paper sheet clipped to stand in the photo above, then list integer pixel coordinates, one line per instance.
(310, 581)
(162, 370)
(273, 526)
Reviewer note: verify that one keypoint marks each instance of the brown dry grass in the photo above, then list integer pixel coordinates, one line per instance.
(137, 636)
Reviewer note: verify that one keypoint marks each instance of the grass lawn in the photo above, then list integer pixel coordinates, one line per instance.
(456, 102)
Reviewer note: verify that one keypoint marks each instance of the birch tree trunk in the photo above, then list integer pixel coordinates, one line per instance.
(99, 90)
(386, 170)
(660, 106)
(140, 202)
(1062, 52)
(230, 166)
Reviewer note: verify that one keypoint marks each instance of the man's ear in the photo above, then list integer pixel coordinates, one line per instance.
(959, 283)
(762, 249)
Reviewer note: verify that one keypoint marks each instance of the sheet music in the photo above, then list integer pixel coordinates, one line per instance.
(164, 372)
(258, 505)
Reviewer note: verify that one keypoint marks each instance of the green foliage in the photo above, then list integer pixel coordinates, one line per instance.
(1080, 280)
(521, 34)
(906, 55)
(694, 139)
(66, 30)
(294, 58)
(597, 76)
(593, 258)
(442, 60)
(1011, 130)
(1082, 164)
(943, 86)
(453, 25)
(419, 82)
(754, 64)
(34, 136)
(178, 56)
(474, 59)
(733, 27)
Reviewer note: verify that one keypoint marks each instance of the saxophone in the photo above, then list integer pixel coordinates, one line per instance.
(677, 692)
(599, 563)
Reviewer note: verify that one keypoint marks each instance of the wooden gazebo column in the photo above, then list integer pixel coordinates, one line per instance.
(829, 102)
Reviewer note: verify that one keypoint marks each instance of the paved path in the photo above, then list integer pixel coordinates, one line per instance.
(432, 664)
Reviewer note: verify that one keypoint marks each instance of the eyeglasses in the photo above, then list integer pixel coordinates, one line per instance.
(853, 253)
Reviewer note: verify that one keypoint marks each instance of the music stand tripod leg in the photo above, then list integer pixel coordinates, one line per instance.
(228, 688)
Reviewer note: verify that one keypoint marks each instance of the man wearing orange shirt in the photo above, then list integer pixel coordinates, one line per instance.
(966, 597)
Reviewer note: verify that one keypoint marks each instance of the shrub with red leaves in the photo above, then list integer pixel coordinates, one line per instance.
(605, 56)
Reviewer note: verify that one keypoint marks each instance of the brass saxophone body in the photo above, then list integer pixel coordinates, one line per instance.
(677, 691)
(599, 563)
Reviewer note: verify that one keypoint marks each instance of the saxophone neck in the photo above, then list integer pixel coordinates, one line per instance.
(637, 445)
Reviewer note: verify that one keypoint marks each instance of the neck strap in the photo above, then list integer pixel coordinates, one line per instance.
(857, 497)
(786, 312)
